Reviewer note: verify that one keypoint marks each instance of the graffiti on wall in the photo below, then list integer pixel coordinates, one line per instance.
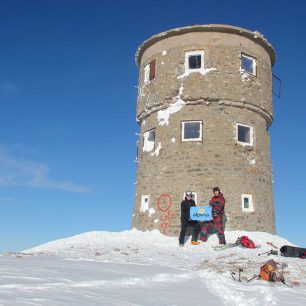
(164, 204)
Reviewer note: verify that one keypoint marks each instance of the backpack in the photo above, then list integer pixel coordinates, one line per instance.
(246, 242)
(270, 273)
(302, 255)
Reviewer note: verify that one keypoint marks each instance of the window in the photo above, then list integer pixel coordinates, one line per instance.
(244, 134)
(248, 64)
(194, 196)
(137, 149)
(144, 203)
(149, 140)
(194, 61)
(149, 71)
(191, 131)
(247, 202)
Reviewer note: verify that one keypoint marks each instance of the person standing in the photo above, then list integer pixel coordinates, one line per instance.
(185, 220)
(217, 204)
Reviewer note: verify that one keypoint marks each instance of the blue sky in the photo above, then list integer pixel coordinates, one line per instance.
(68, 100)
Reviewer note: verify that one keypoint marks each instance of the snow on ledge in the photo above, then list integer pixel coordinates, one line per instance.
(203, 71)
(163, 115)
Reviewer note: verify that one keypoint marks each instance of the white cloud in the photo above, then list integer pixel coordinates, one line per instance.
(23, 172)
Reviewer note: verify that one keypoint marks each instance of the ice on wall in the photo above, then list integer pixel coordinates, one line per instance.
(141, 91)
(203, 71)
(148, 145)
(151, 211)
(147, 74)
(163, 115)
(252, 161)
(156, 152)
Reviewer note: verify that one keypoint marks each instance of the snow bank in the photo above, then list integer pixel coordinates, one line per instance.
(147, 238)
(147, 268)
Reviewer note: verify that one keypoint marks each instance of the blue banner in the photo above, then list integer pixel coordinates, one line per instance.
(200, 213)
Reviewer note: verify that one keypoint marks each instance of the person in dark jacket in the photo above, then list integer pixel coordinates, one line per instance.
(217, 203)
(185, 220)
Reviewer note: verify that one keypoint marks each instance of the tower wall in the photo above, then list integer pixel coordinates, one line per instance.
(220, 96)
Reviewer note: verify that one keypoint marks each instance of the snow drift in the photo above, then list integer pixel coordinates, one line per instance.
(146, 268)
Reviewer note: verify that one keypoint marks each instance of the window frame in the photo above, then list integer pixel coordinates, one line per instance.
(190, 53)
(143, 204)
(194, 197)
(152, 70)
(144, 140)
(137, 149)
(183, 130)
(149, 71)
(254, 59)
(251, 143)
(251, 203)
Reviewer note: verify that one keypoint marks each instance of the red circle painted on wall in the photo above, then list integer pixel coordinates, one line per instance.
(164, 202)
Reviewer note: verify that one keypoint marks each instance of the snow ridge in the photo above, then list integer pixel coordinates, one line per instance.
(144, 269)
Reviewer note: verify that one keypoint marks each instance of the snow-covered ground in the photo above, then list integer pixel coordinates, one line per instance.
(146, 268)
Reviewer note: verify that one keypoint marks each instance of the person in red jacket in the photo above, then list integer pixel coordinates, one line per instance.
(217, 203)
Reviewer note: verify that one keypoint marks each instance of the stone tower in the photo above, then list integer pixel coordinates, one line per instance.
(204, 109)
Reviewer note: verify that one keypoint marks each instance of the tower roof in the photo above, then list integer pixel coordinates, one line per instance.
(221, 28)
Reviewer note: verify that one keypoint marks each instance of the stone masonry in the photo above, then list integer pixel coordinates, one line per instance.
(219, 96)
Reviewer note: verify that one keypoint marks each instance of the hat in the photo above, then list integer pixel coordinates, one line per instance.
(188, 193)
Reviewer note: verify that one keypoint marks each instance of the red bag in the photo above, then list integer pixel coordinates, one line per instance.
(302, 255)
(246, 242)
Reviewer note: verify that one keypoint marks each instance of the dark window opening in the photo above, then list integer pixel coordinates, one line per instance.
(244, 134)
(137, 150)
(194, 61)
(152, 69)
(248, 64)
(192, 130)
(152, 135)
(246, 203)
